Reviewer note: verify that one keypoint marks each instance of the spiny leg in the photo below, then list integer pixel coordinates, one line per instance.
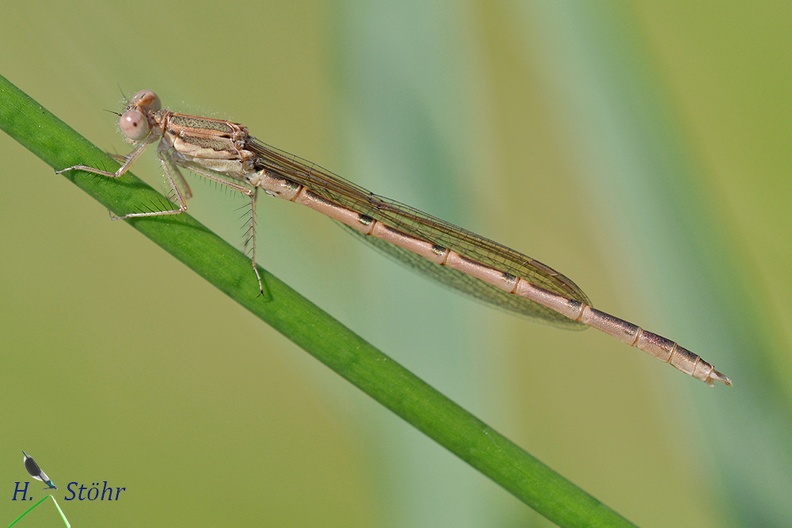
(168, 166)
(129, 159)
(251, 238)
(251, 193)
(172, 175)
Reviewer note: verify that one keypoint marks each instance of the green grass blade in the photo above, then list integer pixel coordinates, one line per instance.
(42, 499)
(63, 515)
(304, 323)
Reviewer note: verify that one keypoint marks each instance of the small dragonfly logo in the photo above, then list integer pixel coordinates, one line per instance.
(35, 471)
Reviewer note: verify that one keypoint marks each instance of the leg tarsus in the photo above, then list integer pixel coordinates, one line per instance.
(258, 278)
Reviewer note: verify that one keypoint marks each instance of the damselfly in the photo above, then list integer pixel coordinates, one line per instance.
(35, 471)
(224, 152)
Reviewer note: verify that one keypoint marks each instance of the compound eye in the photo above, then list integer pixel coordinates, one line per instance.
(134, 125)
(147, 101)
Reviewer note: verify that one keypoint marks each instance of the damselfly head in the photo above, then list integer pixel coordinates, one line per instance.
(134, 123)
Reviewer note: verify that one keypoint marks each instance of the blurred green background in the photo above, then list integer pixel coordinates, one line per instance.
(643, 150)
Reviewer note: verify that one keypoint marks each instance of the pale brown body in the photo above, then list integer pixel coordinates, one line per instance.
(224, 152)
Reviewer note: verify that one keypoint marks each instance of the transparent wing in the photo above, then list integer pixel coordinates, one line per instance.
(431, 229)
